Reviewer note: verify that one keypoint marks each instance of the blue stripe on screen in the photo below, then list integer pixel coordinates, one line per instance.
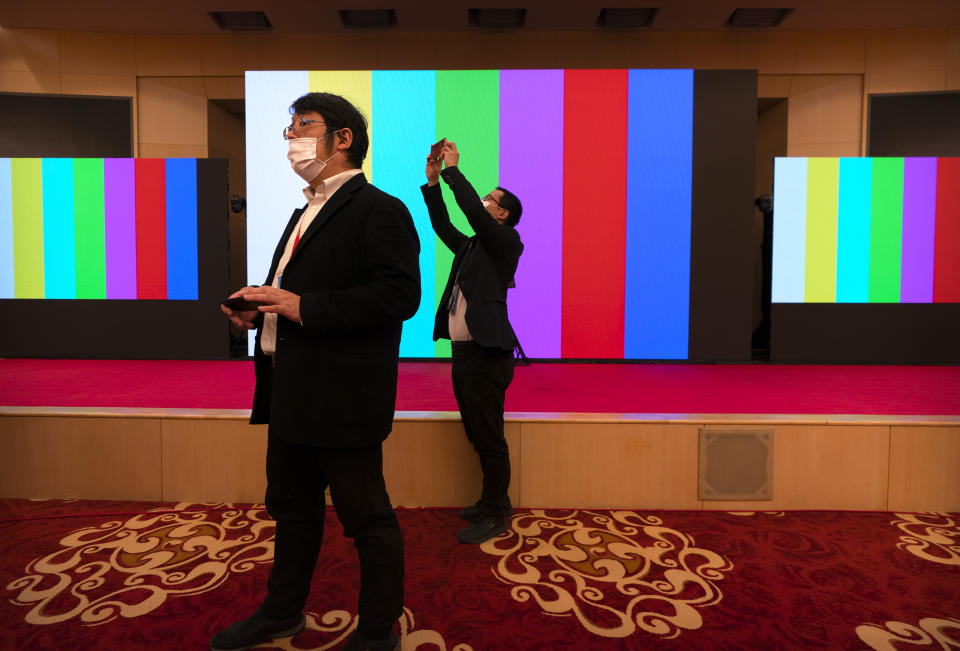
(659, 181)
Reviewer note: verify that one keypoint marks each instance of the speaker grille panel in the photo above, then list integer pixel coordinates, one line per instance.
(736, 464)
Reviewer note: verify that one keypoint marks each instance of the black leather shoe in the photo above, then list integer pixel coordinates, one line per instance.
(482, 530)
(255, 629)
(359, 642)
(473, 513)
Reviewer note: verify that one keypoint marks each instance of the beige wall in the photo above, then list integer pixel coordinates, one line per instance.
(825, 75)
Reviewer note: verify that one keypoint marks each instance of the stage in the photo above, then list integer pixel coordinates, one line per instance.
(581, 435)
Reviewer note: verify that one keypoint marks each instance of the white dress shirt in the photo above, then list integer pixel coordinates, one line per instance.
(315, 201)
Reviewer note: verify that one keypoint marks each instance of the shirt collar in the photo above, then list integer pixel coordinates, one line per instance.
(328, 186)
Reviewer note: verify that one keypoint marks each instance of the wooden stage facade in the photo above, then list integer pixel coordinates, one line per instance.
(581, 460)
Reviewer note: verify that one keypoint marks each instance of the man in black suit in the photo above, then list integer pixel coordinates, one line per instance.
(344, 277)
(473, 315)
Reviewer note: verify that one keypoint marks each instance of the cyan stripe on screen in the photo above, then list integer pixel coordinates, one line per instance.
(59, 245)
(659, 174)
(181, 204)
(790, 232)
(402, 140)
(7, 289)
(853, 230)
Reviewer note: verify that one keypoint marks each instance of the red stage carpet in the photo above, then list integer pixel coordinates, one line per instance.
(558, 387)
(118, 576)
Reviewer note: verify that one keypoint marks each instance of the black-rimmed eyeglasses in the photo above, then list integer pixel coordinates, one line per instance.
(297, 125)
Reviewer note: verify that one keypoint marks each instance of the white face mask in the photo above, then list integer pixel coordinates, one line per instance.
(302, 154)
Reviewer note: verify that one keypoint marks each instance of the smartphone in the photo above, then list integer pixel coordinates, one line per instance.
(240, 304)
(436, 147)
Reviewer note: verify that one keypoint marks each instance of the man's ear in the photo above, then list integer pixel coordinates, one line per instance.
(344, 139)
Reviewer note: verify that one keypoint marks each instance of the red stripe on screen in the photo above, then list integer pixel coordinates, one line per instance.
(151, 229)
(594, 212)
(946, 256)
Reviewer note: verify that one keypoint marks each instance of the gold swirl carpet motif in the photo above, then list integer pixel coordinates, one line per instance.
(332, 629)
(616, 572)
(930, 631)
(152, 556)
(933, 537)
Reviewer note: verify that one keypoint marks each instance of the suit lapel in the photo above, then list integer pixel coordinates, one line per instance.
(339, 199)
(278, 253)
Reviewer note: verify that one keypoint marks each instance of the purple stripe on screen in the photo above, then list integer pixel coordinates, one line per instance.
(531, 166)
(919, 228)
(119, 184)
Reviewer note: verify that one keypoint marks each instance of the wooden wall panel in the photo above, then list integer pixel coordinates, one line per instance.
(609, 465)
(108, 85)
(531, 50)
(770, 53)
(87, 458)
(229, 54)
(432, 464)
(586, 50)
(213, 460)
(825, 53)
(98, 54)
(169, 56)
(825, 109)
(903, 50)
(924, 463)
(18, 81)
(30, 50)
(172, 111)
(824, 467)
(707, 50)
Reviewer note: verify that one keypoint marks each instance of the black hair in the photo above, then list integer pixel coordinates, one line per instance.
(338, 113)
(511, 204)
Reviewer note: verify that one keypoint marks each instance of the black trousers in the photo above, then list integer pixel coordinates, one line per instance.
(297, 476)
(480, 380)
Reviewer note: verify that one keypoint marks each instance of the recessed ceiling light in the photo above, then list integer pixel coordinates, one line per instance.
(241, 21)
(368, 18)
(757, 18)
(627, 18)
(497, 18)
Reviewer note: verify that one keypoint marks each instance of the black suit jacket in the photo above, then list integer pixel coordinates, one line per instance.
(356, 269)
(486, 263)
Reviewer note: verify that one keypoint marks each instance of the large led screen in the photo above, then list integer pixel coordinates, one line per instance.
(866, 260)
(601, 160)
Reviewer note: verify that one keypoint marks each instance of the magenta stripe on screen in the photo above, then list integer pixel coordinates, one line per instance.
(120, 224)
(531, 166)
(919, 229)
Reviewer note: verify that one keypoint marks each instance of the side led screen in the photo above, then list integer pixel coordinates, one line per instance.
(98, 228)
(117, 258)
(866, 230)
(602, 161)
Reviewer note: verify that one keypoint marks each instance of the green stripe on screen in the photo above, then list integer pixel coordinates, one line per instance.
(27, 183)
(886, 230)
(468, 113)
(821, 248)
(89, 228)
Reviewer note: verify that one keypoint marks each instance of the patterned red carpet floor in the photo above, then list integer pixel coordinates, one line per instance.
(123, 575)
